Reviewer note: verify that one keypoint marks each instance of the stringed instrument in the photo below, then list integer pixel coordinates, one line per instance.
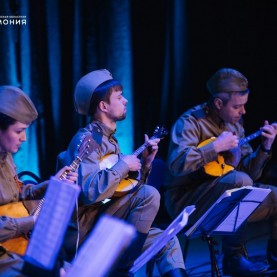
(128, 184)
(220, 167)
(16, 210)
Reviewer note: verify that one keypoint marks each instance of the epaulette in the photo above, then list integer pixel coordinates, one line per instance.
(97, 134)
(201, 113)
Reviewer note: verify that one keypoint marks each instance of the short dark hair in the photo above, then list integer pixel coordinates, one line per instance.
(103, 93)
(227, 80)
(226, 96)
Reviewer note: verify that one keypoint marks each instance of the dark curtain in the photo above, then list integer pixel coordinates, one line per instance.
(62, 41)
(163, 51)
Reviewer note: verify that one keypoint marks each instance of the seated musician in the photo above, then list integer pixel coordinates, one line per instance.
(209, 154)
(17, 112)
(102, 173)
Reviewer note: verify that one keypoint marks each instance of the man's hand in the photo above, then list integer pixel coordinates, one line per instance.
(150, 152)
(225, 141)
(132, 161)
(268, 134)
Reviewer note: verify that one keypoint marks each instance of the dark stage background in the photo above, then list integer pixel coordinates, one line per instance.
(163, 51)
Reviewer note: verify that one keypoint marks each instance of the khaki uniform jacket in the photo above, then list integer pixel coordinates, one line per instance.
(10, 192)
(10, 227)
(186, 182)
(97, 184)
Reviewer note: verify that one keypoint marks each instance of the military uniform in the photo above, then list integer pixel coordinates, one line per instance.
(187, 183)
(137, 207)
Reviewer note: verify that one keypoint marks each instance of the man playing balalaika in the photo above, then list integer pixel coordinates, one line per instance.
(209, 154)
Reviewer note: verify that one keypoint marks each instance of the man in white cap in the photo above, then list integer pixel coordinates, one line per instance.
(17, 112)
(100, 96)
(188, 180)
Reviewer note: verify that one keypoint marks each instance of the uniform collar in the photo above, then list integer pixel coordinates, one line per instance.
(213, 114)
(105, 129)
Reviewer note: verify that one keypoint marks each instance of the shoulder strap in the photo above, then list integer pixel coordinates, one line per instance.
(96, 133)
(199, 113)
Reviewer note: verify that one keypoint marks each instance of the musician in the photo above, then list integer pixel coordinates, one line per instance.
(17, 112)
(100, 96)
(187, 181)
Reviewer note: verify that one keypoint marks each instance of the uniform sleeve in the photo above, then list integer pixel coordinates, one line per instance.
(99, 184)
(144, 174)
(34, 191)
(184, 155)
(254, 162)
(14, 227)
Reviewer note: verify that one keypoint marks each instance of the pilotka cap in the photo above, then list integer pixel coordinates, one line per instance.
(17, 105)
(86, 86)
(227, 80)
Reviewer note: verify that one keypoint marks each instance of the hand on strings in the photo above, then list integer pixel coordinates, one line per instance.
(225, 142)
(151, 150)
(132, 161)
(269, 132)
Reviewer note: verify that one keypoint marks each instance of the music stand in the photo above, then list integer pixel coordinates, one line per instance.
(48, 234)
(104, 246)
(175, 227)
(226, 216)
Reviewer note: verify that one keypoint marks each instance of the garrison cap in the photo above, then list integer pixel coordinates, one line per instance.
(17, 105)
(85, 88)
(227, 80)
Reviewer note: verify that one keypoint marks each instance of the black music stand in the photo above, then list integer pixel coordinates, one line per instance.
(226, 216)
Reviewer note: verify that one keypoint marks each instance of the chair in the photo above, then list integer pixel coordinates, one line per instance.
(32, 177)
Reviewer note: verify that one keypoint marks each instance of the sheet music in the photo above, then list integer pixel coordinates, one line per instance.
(229, 211)
(107, 241)
(243, 210)
(51, 224)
